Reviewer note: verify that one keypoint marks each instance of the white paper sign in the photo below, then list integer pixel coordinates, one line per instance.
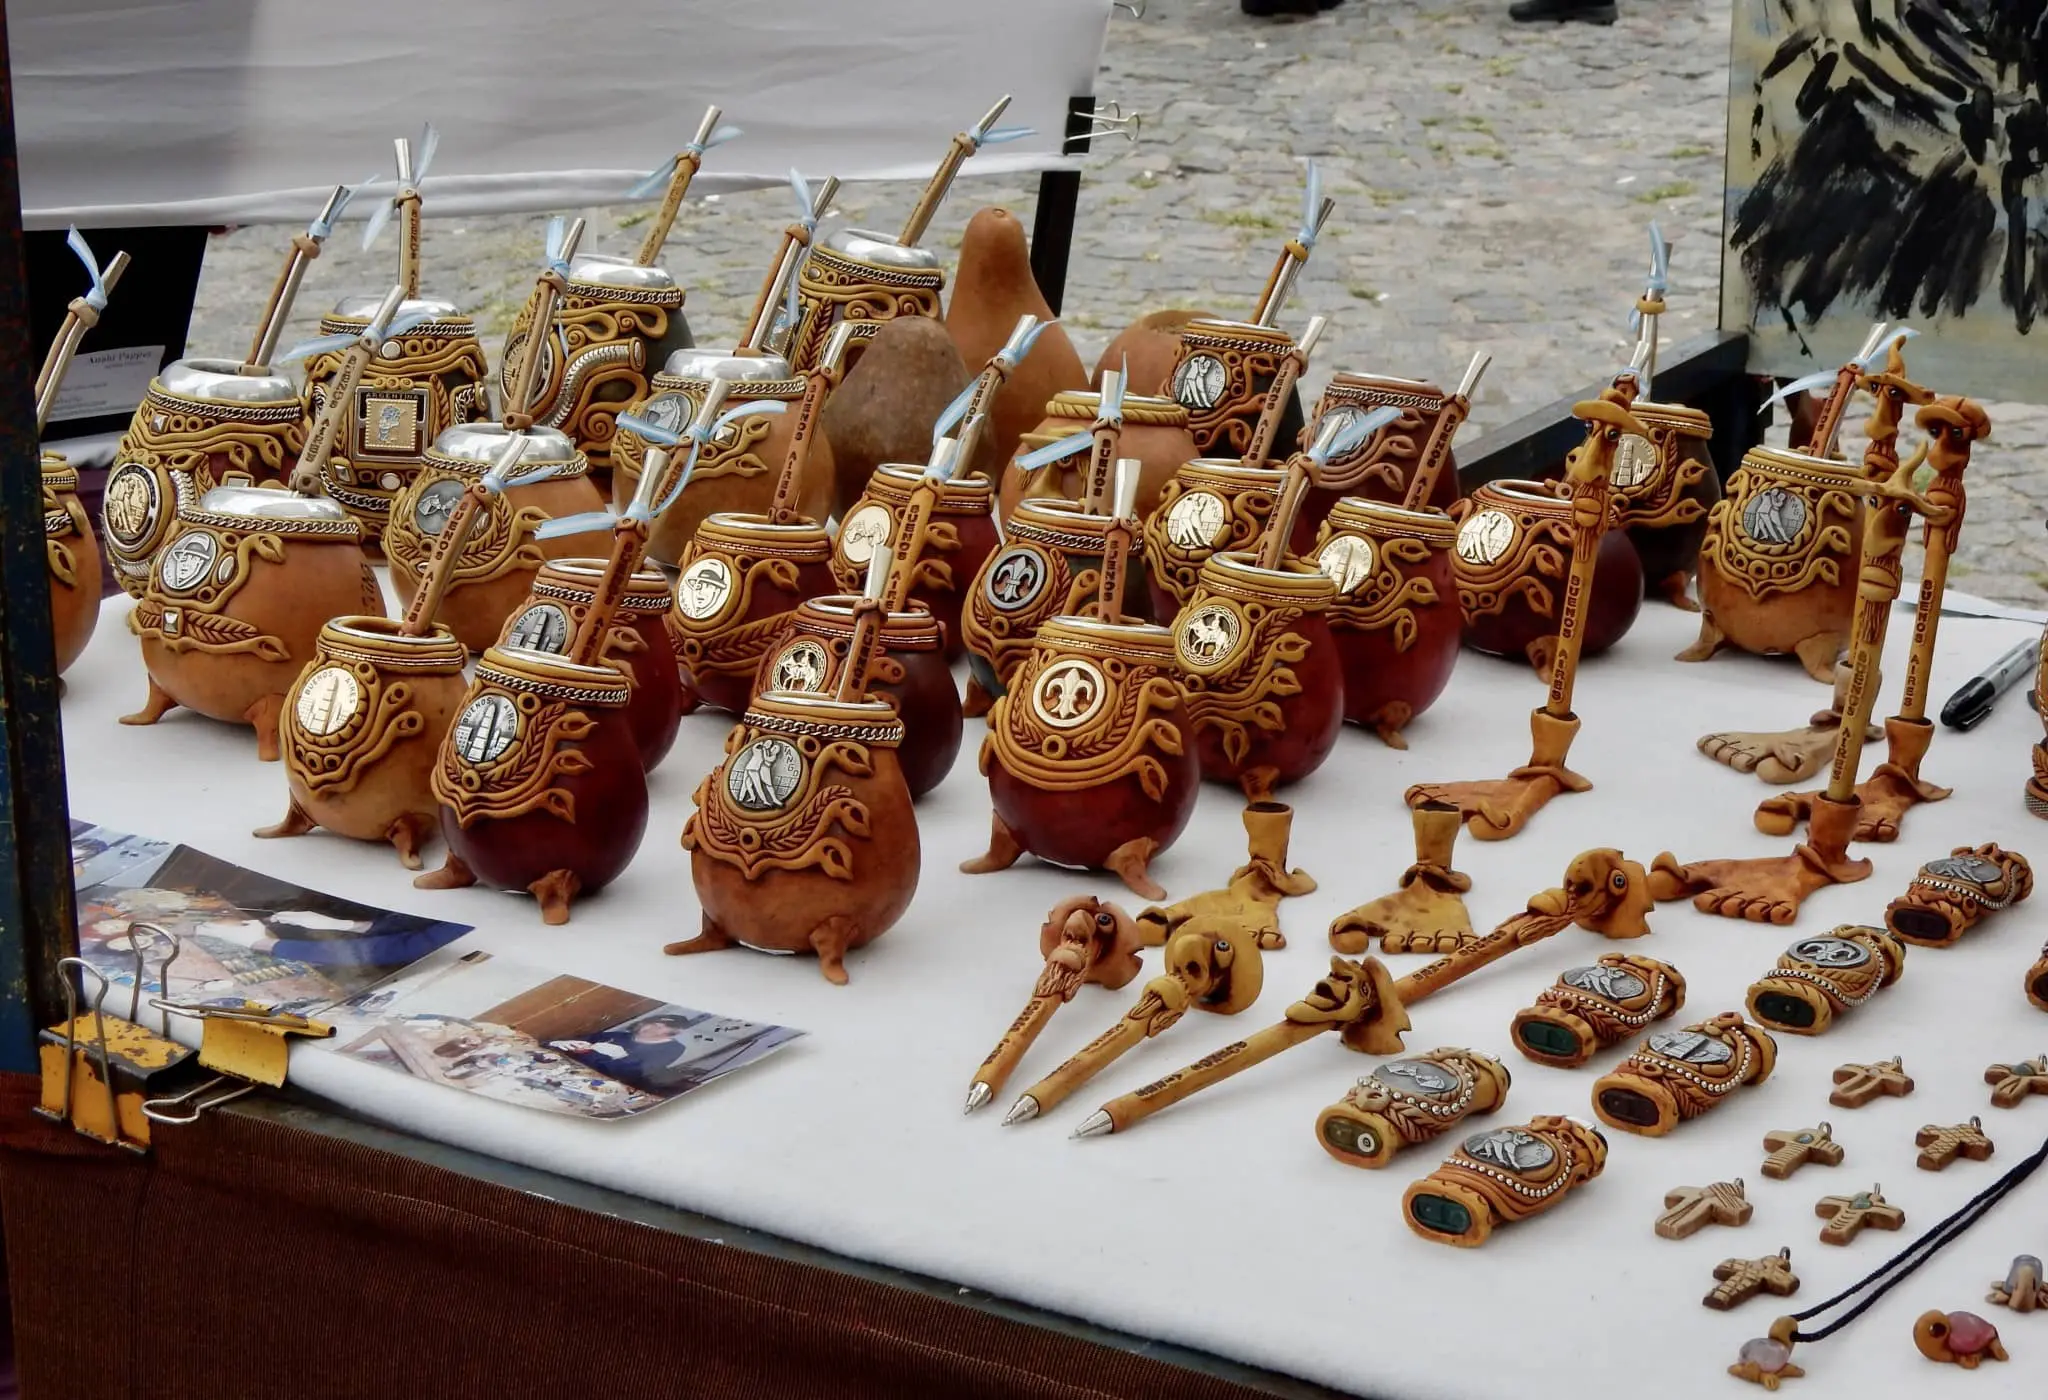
(107, 381)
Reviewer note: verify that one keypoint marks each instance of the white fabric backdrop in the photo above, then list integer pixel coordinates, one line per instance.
(238, 111)
(1220, 1224)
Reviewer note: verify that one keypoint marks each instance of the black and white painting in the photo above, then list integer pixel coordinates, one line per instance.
(1886, 161)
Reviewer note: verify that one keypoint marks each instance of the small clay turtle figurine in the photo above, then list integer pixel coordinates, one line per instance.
(1961, 1337)
(2022, 1288)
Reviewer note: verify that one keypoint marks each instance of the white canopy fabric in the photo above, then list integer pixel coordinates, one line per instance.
(242, 111)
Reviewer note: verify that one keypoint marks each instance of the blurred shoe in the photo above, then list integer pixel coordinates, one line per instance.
(1561, 11)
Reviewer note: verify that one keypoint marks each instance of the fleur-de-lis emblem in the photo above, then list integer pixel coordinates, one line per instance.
(1068, 693)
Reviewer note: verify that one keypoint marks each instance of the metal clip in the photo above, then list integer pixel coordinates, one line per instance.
(158, 1110)
(1134, 8)
(1110, 119)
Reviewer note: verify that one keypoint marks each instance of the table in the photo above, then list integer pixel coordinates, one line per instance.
(1220, 1225)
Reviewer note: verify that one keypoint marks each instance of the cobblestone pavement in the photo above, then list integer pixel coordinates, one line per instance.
(1494, 184)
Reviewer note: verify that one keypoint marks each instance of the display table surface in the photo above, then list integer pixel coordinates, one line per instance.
(1220, 1224)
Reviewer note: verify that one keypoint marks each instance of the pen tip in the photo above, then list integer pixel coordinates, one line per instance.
(1098, 1124)
(1022, 1111)
(978, 1096)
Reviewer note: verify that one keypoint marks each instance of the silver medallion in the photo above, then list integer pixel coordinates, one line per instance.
(1635, 461)
(131, 505)
(486, 728)
(1829, 952)
(863, 532)
(1346, 561)
(1485, 537)
(802, 666)
(1016, 579)
(1424, 1077)
(1068, 694)
(1614, 983)
(1195, 521)
(1510, 1149)
(327, 701)
(1974, 869)
(435, 503)
(1199, 382)
(1691, 1047)
(542, 627)
(188, 561)
(1208, 635)
(1774, 516)
(672, 412)
(704, 588)
(764, 774)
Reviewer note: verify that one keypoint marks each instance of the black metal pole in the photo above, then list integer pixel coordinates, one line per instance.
(38, 921)
(1059, 196)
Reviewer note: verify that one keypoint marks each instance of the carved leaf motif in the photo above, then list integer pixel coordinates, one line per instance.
(522, 778)
(809, 830)
(63, 568)
(1119, 740)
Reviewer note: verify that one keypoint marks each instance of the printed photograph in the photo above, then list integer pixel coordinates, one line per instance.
(240, 936)
(522, 1035)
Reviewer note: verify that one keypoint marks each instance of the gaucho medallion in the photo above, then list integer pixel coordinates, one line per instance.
(1209, 636)
(1485, 537)
(801, 667)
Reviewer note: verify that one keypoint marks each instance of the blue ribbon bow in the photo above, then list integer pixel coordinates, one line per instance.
(322, 227)
(557, 235)
(656, 180)
(1347, 439)
(423, 157)
(650, 431)
(96, 294)
(1822, 378)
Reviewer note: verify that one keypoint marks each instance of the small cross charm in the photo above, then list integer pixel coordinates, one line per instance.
(2011, 1083)
(1940, 1146)
(1690, 1209)
(1739, 1280)
(1792, 1149)
(1857, 1085)
(1847, 1215)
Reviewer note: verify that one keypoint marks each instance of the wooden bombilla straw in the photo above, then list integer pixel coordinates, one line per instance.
(984, 133)
(916, 520)
(1603, 892)
(357, 352)
(553, 281)
(1881, 344)
(1841, 386)
(974, 403)
(1315, 212)
(1280, 392)
(1497, 808)
(1771, 888)
(305, 248)
(1336, 438)
(412, 170)
(79, 317)
(818, 386)
(456, 528)
(870, 609)
(675, 177)
(1118, 541)
(1097, 481)
(779, 289)
(1083, 940)
(1437, 451)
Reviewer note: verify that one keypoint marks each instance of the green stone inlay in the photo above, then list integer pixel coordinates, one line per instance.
(1549, 1038)
(1441, 1214)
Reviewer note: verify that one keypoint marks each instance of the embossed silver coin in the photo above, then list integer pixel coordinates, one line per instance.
(1347, 561)
(1774, 516)
(1974, 869)
(1423, 1077)
(1195, 521)
(1829, 952)
(1199, 382)
(435, 503)
(131, 505)
(1485, 537)
(188, 561)
(1208, 635)
(486, 728)
(1635, 460)
(764, 774)
(1614, 983)
(1016, 579)
(864, 532)
(542, 627)
(802, 666)
(704, 588)
(1068, 693)
(1511, 1149)
(1691, 1047)
(327, 701)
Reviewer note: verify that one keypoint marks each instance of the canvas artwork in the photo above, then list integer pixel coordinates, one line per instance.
(240, 936)
(505, 1030)
(1888, 161)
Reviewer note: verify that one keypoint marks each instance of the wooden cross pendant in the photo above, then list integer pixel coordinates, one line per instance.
(1738, 1280)
(1792, 1148)
(1846, 1216)
(1690, 1209)
(2011, 1083)
(1940, 1146)
(1857, 1085)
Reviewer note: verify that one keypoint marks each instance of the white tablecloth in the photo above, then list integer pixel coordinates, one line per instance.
(240, 111)
(1220, 1224)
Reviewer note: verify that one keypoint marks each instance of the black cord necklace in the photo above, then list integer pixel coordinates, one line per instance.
(1768, 1359)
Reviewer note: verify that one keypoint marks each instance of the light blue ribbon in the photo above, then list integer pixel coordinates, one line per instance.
(1311, 206)
(656, 180)
(1002, 134)
(423, 157)
(322, 227)
(96, 295)
(1660, 274)
(1354, 433)
(558, 234)
(1070, 446)
(1825, 378)
(1113, 411)
(1009, 357)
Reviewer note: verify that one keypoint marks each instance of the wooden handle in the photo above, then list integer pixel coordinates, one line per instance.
(1422, 486)
(1130, 1030)
(439, 568)
(1140, 1104)
(1002, 1061)
(629, 547)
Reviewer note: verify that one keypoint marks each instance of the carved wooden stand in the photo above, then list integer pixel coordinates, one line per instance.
(1252, 898)
(1426, 914)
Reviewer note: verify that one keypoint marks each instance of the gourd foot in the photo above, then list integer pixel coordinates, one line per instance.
(153, 709)
(407, 834)
(710, 939)
(295, 823)
(454, 874)
(1676, 589)
(1131, 862)
(1003, 849)
(978, 701)
(555, 891)
(1388, 722)
(831, 939)
(1818, 655)
(1711, 640)
(263, 716)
